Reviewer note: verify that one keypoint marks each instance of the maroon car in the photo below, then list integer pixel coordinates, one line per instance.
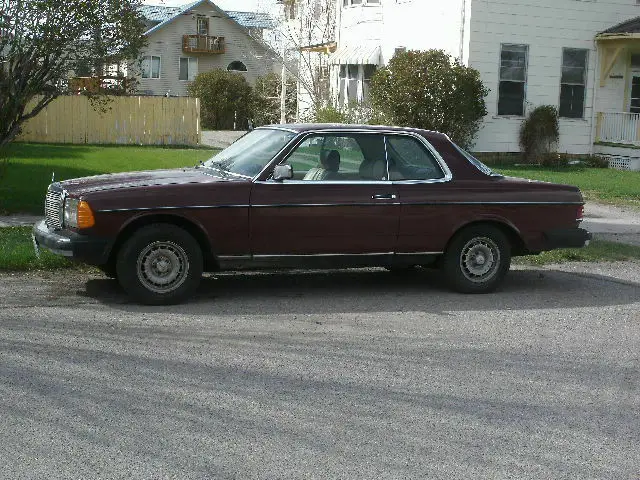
(310, 196)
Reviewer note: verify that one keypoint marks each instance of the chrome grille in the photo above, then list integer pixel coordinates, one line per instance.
(53, 209)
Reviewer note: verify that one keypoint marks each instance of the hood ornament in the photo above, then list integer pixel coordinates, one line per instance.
(53, 177)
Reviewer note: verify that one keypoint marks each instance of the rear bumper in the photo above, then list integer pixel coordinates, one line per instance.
(566, 238)
(94, 251)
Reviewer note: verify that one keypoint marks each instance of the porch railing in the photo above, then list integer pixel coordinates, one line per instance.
(619, 127)
(202, 44)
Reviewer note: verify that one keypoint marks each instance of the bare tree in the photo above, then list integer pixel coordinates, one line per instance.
(308, 32)
(43, 41)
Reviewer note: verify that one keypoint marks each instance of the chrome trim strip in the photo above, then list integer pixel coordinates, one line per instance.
(323, 255)
(284, 205)
(323, 182)
(234, 257)
(417, 253)
(184, 207)
(407, 204)
(488, 203)
(302, 205)
(277, 127)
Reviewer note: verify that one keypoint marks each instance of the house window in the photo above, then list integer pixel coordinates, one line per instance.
(352, 84)
(203, 26)
(573, 82)
(342, 84)
(369, 70)
(150, 66)
(237, 67)
(513, 79)
(188, 68)
(634, 106)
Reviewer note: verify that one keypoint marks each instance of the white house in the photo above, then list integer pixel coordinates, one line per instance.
(199, 37)
(370, 32)
(580, 56)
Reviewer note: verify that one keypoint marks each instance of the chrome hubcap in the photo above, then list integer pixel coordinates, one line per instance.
(162, 266)
(480, 259)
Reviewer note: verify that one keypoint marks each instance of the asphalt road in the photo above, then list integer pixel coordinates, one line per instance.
(348, 375)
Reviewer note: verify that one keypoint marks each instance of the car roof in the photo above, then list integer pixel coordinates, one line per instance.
(305, 127)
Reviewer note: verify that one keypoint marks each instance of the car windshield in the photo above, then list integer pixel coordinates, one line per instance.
(477, 163)
(251, 153)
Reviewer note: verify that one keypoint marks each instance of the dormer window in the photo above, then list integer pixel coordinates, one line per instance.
(203, 26)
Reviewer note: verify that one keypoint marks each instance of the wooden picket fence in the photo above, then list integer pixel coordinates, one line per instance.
(126, 121)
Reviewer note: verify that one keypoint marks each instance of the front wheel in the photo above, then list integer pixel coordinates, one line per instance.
(477, 259)
(160, 264)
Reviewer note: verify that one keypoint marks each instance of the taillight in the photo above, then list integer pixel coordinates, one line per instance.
(580, 213)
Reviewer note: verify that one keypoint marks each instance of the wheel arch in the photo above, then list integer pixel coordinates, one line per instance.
(518, 246)
(193, 228)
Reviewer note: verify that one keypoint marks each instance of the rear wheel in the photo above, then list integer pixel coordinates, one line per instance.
(477, 259)
(160, 264)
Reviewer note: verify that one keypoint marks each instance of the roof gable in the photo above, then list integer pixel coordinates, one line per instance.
(160, 15)
(628, 26)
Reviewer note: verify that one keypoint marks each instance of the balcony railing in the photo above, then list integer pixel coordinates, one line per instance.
(619, 127)
(202, 44)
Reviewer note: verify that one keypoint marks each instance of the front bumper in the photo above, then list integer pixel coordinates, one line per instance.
(70, 244)
(566, 238)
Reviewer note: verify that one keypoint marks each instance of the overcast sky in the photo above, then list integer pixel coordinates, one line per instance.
(239, 5)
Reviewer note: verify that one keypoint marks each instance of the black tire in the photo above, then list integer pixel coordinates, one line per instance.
(477, 259)
(160, 264)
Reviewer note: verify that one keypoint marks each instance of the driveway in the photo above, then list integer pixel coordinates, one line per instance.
(350, 375)
(616, 224)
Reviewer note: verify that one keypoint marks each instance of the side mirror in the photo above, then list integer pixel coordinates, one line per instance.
(282, 172)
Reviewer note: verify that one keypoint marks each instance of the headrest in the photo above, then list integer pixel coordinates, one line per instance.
(373, 169)
(331, 161)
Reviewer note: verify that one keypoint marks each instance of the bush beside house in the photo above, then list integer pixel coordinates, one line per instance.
(431, 90)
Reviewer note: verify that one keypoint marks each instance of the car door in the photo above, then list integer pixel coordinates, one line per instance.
(339, 201)
(422, 182)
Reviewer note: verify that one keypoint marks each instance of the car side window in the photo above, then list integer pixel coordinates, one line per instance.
(411, 160)
(339, 157)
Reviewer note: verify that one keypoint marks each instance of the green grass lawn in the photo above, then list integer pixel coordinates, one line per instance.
(27, 173)
(597, 251)
(599, 184)
(17, 252)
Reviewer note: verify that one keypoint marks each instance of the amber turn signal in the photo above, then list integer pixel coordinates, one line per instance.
(85, 215)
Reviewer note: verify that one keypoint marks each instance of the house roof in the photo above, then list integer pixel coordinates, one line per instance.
(252, 19)
(628, 26)
(159, 15)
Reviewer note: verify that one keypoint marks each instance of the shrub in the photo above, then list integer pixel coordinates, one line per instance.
(329, 114)
(539, 133)
(596, 161)
(355, 113)
(266, 100)
(226, 99)
(554, 159)
(431, 90)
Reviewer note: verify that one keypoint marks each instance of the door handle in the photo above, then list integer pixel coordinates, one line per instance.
(385, 196)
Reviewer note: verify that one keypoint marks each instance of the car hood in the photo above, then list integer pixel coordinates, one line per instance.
(149, 178)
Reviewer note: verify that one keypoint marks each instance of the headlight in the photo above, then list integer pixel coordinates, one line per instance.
(77, 214)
